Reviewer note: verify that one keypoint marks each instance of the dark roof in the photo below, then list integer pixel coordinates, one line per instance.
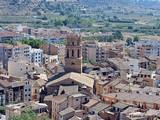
(99, 107)
(120, 105)
(66, 111)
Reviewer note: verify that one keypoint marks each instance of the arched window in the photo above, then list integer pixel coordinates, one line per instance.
(78, 53)
(72, 53)
(67, 53)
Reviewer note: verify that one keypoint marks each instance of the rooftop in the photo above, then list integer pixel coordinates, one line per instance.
(99, 107)
(91, 103)
(68, 89)
(134, 97)
(66, 111)
(80, 78)
(120, 105)
(60, 98)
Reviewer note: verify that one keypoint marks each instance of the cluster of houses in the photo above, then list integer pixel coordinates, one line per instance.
(53, 81)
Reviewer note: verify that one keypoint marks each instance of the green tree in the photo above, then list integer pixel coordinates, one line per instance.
(11, 42)
(136, 38)
(118, 35)
(106, 24)
(35, 43)
(129, 41)
(2, 109)
(27, 115)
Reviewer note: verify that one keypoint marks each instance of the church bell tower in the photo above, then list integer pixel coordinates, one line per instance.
(73, 59)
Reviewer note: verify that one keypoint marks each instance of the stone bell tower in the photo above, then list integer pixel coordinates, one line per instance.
(73, 59)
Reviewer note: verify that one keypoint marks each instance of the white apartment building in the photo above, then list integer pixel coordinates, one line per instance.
(22, 49)
(27, 91)
(147, 47)
(36, 55)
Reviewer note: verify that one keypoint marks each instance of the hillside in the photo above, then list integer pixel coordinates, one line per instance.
(20, 7)
(29, 7)
(141, 3)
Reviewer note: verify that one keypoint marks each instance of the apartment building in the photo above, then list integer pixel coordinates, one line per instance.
(2, 96)
(7, 51)
(36, 56)
(6, 35)
(4, 55)
(147, 47)
(54, 49)
(99, 51)
(65, 102)
(15, 91)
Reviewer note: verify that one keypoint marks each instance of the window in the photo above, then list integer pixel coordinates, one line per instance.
(72, 53)
(73, 63)
(72, 82)
(78, 54)
(35, 90)
(67, 53)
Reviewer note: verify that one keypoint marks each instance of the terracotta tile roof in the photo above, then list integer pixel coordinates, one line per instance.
(5, 83)
(91, 103)
(39, 83)
(134, 97)
(68, 89)
(6, 33)
(99, 107)
(66, 111)
(80, 78)
(17, 83)
(60, 98)
(120, 105)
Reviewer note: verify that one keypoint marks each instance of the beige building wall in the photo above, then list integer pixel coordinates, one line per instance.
(56, 108)
(92, 54)
(45, 48)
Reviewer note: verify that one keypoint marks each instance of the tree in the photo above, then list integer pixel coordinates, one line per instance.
(2, 109)
(11, 42)
(118, 35)
(106, 24)
(35, 43)
(136, 38)
(27, 115)
(129, 41)
(128, 52)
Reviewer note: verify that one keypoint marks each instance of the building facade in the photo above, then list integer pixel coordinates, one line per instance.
(73, 60)
(147, 47)
(36, 56)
